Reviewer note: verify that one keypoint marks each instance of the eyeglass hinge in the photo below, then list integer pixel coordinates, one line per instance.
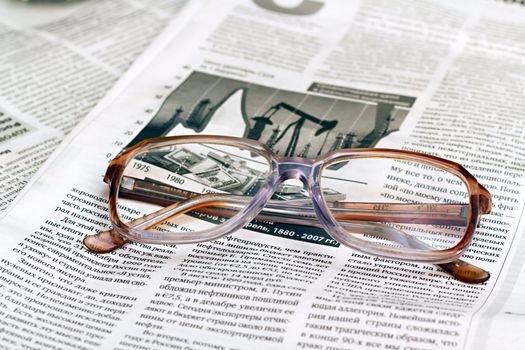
(109, 173)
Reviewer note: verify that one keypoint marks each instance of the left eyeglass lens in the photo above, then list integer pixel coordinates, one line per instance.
(189, 187)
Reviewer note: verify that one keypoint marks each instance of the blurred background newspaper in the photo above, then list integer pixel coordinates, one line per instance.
(304, 77)
(58, 59)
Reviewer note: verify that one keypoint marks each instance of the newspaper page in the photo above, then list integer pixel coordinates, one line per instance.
(57, 60)
(445, 78)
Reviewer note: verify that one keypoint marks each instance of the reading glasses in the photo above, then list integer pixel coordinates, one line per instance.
(389, 203)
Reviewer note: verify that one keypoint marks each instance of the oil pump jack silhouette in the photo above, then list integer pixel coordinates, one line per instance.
(203, 111)
(385, 115)
(262, 121)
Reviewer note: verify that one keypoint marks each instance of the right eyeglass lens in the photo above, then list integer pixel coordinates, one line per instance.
(205, 185)
(401, 203)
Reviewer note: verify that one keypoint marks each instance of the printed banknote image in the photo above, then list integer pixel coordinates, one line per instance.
(212, 168)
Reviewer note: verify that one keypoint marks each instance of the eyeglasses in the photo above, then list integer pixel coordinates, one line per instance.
(390, 203)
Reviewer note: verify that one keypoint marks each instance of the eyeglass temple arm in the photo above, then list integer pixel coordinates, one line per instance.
(109, 240)
(423, 213)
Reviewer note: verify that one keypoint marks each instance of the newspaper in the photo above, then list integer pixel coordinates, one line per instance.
(440, 77)
(57, 61)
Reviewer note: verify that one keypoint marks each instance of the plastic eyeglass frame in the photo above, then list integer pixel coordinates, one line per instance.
(261, 207)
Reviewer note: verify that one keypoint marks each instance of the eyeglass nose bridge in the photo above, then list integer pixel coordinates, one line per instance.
(305, 170)
(295, 168)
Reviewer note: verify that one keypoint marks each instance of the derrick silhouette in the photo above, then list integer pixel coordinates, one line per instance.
(262, 121)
